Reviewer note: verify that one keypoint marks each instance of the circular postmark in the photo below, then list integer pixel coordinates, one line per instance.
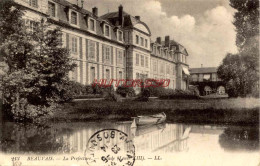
(110, 147)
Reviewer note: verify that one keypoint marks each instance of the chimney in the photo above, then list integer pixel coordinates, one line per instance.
(95, 11)
(158, 40)
(137, 17)
(201, 65)
(167, 41)
(120, 15)
(82, 4)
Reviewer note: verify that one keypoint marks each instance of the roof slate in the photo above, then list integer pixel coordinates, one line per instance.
(203, 70)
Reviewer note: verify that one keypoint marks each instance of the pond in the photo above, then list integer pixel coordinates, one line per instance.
(178, 144)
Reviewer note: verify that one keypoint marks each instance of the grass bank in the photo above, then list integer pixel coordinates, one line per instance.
(231, 111)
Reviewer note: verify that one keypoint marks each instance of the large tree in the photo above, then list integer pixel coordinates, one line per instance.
(240, 71)
(37, 64)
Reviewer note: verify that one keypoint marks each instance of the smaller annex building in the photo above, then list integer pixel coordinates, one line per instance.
(206, 81)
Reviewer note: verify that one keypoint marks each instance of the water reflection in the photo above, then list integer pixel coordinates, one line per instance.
(73, 137)
(28, 138)
(240, 138)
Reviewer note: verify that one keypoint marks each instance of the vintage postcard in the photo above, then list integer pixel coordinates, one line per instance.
(129, 83)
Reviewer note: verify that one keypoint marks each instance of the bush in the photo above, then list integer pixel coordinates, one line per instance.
(156, 89)
(112, 96)
(72, 89)
(178, 94)
(76, 90)
(102, 89)
(144, 95)
(126, 91)
(25, 111)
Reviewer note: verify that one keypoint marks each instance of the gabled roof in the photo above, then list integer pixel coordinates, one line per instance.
(203, 70)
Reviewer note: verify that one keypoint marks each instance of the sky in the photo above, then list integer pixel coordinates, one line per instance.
(203, 27)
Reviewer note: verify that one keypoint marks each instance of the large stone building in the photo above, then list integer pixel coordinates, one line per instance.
(113, 46)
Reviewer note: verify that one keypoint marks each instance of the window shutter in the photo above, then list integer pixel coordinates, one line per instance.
(81, 72)
(86, 49)
(67, 41)
(116, 56)
(97, 51)
(112, 56)
(80, 47)
(75, 72)
(103, 53)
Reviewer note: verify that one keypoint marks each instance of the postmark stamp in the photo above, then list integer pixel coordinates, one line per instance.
(110, 147)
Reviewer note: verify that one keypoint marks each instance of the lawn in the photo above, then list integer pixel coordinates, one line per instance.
(234, 111)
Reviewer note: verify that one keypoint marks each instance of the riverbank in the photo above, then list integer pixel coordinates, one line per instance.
(215, 111)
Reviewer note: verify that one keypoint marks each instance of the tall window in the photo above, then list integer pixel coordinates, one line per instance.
(137, 76)
(137, 39)
(120, 75)
(120, 35)
(107, 74)
(154, 66)
(107, 53)
(137, 60)
(92, 24)
(142, 60)
(33, 3)
(92, 75)
(51, 9)
(32, 25)
(91, 49)
(146, 45)
(74, 45)
(162, 68)
(142, 41)
(120, 57)
(74, 19)
(146, 61)
(106, 30)
(167, 69)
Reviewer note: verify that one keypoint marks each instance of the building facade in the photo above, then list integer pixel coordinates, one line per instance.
(207, 81)
(113, 46)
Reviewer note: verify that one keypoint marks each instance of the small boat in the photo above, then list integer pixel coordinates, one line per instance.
(148, 120)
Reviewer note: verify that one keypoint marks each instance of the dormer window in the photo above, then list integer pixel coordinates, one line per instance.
(33, 3)
(107, 31)
(120, 35)
(154, 49)
(146, 43)
(74, 18)
(142, 41)
(137, 39)
(51, 9)
(92, 24)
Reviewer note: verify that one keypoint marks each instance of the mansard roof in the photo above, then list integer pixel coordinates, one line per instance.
(129, 20)
(203, 70)
(178, 47)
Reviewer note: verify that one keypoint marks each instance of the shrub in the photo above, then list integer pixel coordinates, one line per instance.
(126, 91)
(72, 89)
(178, 94)
(144, 95)
(22, 110)
(112, 96)
(156, 89)
(102, 89)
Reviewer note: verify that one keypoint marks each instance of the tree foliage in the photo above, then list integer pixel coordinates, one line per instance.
(240, 71)
(37, 64)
